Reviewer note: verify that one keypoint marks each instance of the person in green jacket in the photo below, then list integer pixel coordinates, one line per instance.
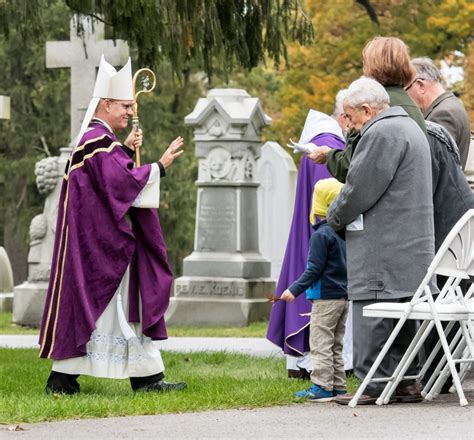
(387, 60)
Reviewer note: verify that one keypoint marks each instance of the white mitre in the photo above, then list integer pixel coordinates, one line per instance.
(109, 84)
(317, 123)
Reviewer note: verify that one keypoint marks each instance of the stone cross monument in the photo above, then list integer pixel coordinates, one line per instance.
(82, 55)
(226, 278)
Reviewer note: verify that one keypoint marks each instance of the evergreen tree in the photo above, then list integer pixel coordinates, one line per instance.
(39, 126)
(212, 34)
(39, 118)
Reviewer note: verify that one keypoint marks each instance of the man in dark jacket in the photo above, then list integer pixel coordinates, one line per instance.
(439, 105)
(452, 196)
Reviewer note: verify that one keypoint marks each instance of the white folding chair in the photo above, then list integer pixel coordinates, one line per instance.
(454, 259)
(459, 348)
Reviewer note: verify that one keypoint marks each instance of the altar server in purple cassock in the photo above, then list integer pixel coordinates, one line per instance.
(289, 322)
(110, 279)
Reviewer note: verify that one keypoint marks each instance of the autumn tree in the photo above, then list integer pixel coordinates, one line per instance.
(334, 59)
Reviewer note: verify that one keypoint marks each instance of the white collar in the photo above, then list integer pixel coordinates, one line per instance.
(107, 126)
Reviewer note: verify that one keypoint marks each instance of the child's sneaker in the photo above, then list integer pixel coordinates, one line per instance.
(316, 394)
(338, 392)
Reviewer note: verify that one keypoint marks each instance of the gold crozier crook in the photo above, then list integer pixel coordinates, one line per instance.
(146, 87)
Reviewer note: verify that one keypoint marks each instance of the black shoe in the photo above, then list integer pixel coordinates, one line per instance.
(410, 393)
(364, 399)
(62, 383)
(162, 386)
(59, 390)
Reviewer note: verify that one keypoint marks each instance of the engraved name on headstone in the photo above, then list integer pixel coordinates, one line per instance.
(216, 225)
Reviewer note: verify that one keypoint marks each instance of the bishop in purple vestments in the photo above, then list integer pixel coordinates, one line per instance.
(110, 279)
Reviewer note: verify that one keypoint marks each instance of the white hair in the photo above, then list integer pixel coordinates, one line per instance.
(426, 69)
(338, 106)
(367, 91)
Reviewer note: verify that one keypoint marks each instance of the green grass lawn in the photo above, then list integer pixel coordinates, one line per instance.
(254, 330)
(7, 328)
(215, 381)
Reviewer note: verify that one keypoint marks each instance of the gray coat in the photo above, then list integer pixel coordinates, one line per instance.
(390, 183)
(449, 111)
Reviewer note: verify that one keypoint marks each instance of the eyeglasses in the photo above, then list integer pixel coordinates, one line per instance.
(126, 107)
(413, 82)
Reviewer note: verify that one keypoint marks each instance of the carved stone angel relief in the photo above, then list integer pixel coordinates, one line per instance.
(219, 165)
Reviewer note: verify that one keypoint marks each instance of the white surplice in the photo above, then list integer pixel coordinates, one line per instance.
(117, 348)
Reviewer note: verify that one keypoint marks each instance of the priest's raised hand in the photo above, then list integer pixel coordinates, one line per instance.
(172, 152)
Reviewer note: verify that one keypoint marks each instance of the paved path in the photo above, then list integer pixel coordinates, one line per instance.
(251, 346)
(441, 419)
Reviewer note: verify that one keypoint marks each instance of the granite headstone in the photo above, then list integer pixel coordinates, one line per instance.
(225, 279)
(277, 175)
(6, 282)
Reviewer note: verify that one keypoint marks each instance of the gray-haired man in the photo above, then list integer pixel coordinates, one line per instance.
(386, 206)
(439, 105)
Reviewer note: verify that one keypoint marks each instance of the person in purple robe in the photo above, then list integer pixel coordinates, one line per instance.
(110, 280)
(289, 322)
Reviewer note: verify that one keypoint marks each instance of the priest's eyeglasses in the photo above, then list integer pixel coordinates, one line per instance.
(126, 107)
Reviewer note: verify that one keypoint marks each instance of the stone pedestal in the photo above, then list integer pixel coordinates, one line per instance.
(225, 279)
(219, 301)
(29, 297)
(28, 303)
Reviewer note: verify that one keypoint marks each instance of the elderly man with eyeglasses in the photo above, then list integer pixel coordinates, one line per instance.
(440, 105)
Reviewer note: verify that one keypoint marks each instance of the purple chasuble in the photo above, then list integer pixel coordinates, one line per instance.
(287, 327)
(95, 244)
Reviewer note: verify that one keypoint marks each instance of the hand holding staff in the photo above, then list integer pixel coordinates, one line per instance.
(147, 87)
